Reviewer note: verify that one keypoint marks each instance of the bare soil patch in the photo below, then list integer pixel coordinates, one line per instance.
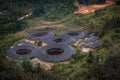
(91, 8)
(46, 65)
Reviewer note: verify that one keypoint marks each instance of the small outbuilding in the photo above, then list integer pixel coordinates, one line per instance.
(91, 39)
(91, 42)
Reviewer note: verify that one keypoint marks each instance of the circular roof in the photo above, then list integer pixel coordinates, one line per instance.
(60, 40)
(55, 52)
(76, 34)
(39, 35)
(23, 51)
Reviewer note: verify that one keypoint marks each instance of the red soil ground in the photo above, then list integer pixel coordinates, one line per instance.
(91, 8)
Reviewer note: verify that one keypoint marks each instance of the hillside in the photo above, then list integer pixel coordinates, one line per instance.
(57, 16)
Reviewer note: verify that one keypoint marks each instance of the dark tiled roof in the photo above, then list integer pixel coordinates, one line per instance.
(12, 53)
(76, 34)
(91, 39)
(39, 35)
(61, 39)
(42, 53)
(95, 44)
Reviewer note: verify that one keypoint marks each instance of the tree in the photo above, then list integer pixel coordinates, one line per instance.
(112, 62)
(9, 70)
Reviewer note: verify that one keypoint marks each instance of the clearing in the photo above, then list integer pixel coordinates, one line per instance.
(91, 8)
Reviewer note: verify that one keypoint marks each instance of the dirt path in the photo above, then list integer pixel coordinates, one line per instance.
(91, 8)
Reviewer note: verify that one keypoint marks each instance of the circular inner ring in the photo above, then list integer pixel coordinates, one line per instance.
(40, 34)
(23, 51)
(55, 51)
(73, 33)
(58, 40)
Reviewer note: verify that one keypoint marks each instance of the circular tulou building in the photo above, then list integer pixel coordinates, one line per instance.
(76, 34)
(42, 36)
(55, 52)
(61, 39)
(22, 51)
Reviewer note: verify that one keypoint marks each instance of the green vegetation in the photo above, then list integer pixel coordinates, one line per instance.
(9, 70)
(102, 64)
(10, 25)
(7, 42)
